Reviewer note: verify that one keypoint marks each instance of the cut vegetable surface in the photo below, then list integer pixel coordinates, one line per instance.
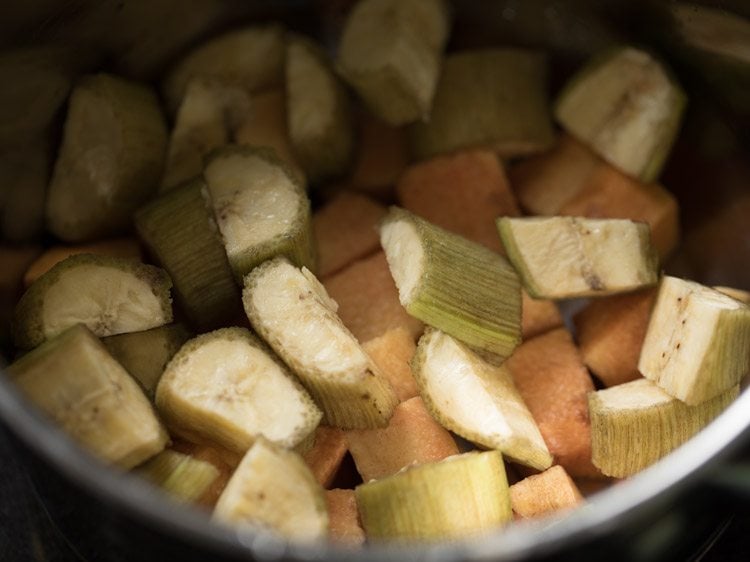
(226, 387)
(291, 310)
(455, 285)
(343, 518)
(544, 493)
(260, 208)
(627, 108)
(563, 257)
(109, 295)
(390, 53)
(73, 380)
(635, 424)
(477, 400)
(326, 453)
(698, 341)
(183, 477)
(110, 159)
(273, 489)
(461, 496)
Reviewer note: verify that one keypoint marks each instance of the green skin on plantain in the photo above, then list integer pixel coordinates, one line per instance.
(184, 478)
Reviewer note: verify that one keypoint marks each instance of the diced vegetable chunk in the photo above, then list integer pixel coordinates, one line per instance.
(541, 494)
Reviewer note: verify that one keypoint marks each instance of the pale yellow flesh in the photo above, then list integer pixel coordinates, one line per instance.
(405, 257)
(478, 401)
(311, 95)
(273, 489)
(232, 392)
(106, 299)
(254, 200)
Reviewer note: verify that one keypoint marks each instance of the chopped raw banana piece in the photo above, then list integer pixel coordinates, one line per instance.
(318, 113)
(698, 341)
(110, 159)
(204, 122)
(461, 496)
(272, 488)
(145, 354)
(184, 478)
(452, 284)
(109, 295)
(260, 208)
(564, 257)
(477, 400)
(291, 310)
(251, 58)
(736, 294)
(390, 53)
(179, 230)
(226, 387)
(82, 388)
(635, 424)
(493, 98)
(627, 108)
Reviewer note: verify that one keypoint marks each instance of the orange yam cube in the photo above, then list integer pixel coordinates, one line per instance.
(571, 180)
(368, 299)
(392, 353)
(343, 518)
(117, 248)
(463, 192)
(553, 381)
(538, 316)
(346, 230)
(544, 493)
(610, 334)
(412, 437)
(326, 454)
(381, 156)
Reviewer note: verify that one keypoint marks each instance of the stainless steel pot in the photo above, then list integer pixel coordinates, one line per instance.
(637, 518)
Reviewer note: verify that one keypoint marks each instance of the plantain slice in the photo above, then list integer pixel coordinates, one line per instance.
(291, 310)
(261, 209)
(635, 424)
(318, 112)
(273, 488)
(697, 343)
(81, 387)
(627, 108)
(461, 496)
(179, 229)
(110, 159)
(564, 257)
(226, 387)
(390, 53)
(452, 284)
(145, 354)
(251, 58)
(477, 400)
(109, 295)
(183, 477)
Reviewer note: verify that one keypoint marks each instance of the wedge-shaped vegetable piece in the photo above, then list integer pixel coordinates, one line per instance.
(477, 400)
(325, 455)
(179, 229)
(390, 53)
(110, 159)
(392, 352)
(251, 58)
(564, 257)
(223, 460)
(273, 488)
(698, 341)
(736, 294)
(452, 284)
(109, 295)
(260, 208)
(226, 387)
(627, 108)
(635, 424)
(493, 98)
(184, 478)
(343, 518)
(204, 122)
(461, 496)
(145, 354)
(541, 494)
(291, 310)
(73, 380)
(319, 119)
